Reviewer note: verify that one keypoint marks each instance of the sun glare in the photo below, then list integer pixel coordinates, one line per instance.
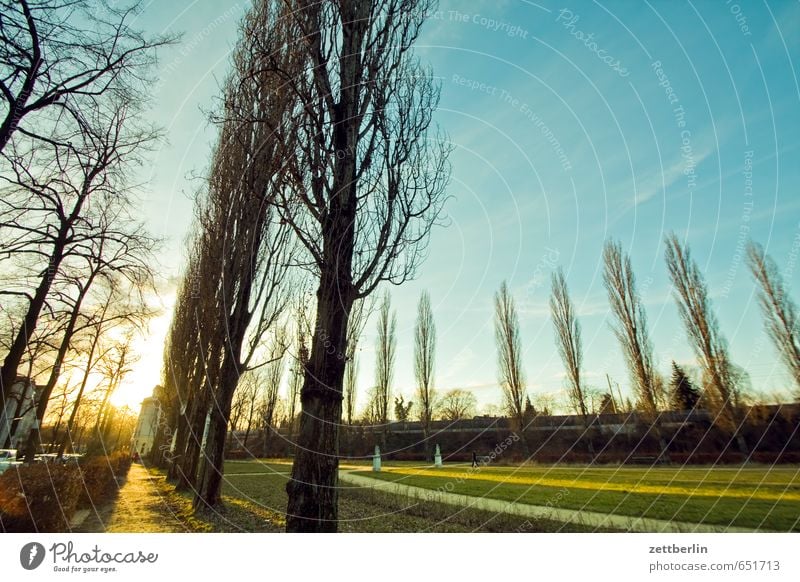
(146, 372)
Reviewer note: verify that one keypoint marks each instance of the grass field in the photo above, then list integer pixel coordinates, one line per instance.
(258, 488)
(758, 497)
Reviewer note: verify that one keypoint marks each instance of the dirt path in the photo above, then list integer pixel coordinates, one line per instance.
(138, 507)
(585, 518)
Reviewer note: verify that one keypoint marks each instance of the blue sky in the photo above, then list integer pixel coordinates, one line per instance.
(572, 123)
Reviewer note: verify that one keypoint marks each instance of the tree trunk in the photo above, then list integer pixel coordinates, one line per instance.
(209, 479)
(313, 493)
(246, 436)
(79, 397)
(9, 124)
(313, 496)
(16, 108)
(426, 432)
(15, 418)
(55, 373)
(194, 417)
(187, 464)
(8, 374)
(181, 428)
(56, 430)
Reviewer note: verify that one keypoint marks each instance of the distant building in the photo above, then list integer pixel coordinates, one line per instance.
(146, 427)
(19, 413)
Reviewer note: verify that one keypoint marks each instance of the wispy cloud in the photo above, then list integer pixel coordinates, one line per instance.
(461, 361)
(658, 180)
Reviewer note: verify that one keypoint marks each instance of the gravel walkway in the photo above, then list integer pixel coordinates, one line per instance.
(137, 508)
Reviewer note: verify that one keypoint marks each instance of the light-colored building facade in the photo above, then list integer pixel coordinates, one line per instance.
(18, 413)
(146, 427)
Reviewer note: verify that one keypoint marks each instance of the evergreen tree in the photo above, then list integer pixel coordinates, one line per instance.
(683, 394)
(530, 411)
(607, 404)
(402, 409)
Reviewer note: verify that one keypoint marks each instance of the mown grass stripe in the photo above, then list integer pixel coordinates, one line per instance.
(700, 490)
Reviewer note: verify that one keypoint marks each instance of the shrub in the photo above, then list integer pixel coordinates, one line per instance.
(700, 458)
(772, 458)
(101, 476)
(404, 456)
(38, 498)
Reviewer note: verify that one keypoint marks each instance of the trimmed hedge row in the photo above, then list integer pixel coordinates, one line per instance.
(44, 497)
(38, 498)
(100, 477)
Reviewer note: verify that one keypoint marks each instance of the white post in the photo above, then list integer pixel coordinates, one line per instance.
(437, 458)
(376, 460)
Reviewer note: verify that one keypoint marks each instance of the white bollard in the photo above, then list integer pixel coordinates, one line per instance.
(376, 460)
(437, 457)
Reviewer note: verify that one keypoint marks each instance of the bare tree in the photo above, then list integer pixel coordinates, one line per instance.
(236, 286)
(296, 380)
(359, 314)
(59, 404)
(631, 324)
(368, 180)
(239, 278)
(568, 339)
(710, 347)
(192, 353)
(116, 256)
(120, 427)
(299, 356)
(72, 74)
(457, 404)
(60, 57)
(117, 364)
(238, 406)
(350, 381)
(113, 307)
(509, 357)
(249, 409)
(424, 362)
(244, 406)
(372, 414)
(778, 309)
(51, 224)
(385, 350)
(247, 247)
(272, 383)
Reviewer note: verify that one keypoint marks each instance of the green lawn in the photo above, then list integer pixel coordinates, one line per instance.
(260, 485)
(257, 466)
(751, 496)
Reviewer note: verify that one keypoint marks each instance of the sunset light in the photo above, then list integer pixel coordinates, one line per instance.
(401, 266)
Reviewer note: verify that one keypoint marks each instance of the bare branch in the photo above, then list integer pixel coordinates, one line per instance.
(568, 339)
(778, 309)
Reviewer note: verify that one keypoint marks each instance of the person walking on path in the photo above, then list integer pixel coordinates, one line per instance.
(474, 459)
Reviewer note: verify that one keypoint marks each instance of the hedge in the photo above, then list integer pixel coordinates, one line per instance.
(100, 477)
(38, 498)
(44, 497)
